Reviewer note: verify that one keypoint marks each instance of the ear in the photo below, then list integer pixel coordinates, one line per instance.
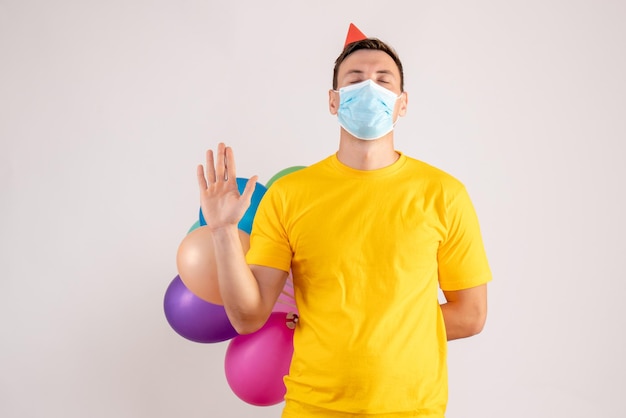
(333, 102)
(403, 102)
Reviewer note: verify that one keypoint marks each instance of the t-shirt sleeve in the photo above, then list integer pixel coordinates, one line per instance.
(461, 256)
(269, 243)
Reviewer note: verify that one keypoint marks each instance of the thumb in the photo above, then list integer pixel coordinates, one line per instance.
(249, 189)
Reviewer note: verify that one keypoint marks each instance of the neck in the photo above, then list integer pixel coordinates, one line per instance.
(366, 155)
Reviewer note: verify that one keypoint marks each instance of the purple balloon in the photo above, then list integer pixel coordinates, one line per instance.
(194, 318)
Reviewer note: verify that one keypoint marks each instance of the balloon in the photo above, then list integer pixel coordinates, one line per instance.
(195, 261)
(283, 173)
(286, 301)
(245, 224)
(256, 363)
(193, 318)
(196, 225)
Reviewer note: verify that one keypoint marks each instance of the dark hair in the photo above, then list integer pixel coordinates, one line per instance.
(368, 43)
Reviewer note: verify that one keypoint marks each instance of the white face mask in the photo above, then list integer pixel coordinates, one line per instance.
(366, 110)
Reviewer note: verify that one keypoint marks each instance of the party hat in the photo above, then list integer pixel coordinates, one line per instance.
(354, 34)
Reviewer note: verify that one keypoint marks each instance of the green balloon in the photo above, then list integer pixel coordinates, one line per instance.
(283, 173)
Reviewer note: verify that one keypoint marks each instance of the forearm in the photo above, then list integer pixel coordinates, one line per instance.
(238, 286)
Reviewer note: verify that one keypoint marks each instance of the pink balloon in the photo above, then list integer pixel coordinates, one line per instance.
(286, 301)
(256, 363)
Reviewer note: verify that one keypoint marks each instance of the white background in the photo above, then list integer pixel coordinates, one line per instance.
(106, 107)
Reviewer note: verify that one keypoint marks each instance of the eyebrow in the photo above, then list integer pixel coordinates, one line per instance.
(388, 72)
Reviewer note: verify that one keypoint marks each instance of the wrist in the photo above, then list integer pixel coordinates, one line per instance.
(229, 237)
(224, 230)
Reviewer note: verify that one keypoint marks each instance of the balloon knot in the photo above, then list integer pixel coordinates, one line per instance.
(291, 320)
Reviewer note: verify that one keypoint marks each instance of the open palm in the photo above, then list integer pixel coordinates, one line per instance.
(222, 204)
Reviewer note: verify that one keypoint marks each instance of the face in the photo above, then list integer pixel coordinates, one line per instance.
(374, 65)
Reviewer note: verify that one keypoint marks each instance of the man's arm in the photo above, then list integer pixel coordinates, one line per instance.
(248, 292)
(465, 311)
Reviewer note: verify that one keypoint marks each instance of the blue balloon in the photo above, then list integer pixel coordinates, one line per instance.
(201, 219)
(245, 224)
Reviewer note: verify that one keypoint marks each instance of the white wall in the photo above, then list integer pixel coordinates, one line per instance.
(107, 106)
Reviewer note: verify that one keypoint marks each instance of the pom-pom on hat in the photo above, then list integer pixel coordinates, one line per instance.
(354, 34)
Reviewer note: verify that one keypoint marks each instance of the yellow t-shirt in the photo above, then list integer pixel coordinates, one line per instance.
(368, 251)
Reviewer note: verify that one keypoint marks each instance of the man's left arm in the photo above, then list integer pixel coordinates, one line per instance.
(465, 311)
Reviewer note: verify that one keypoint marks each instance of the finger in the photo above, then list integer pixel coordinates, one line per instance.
(220, 167)
(231, 171)
(201, 180)
(210, 167)
(249, 189)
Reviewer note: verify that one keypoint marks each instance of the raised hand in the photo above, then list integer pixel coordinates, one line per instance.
(222, 204)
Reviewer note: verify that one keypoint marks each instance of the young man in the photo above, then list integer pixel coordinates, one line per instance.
(370, 235)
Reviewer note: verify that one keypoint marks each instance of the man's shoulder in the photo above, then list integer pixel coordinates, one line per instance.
(301, 173)
(432, 173)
